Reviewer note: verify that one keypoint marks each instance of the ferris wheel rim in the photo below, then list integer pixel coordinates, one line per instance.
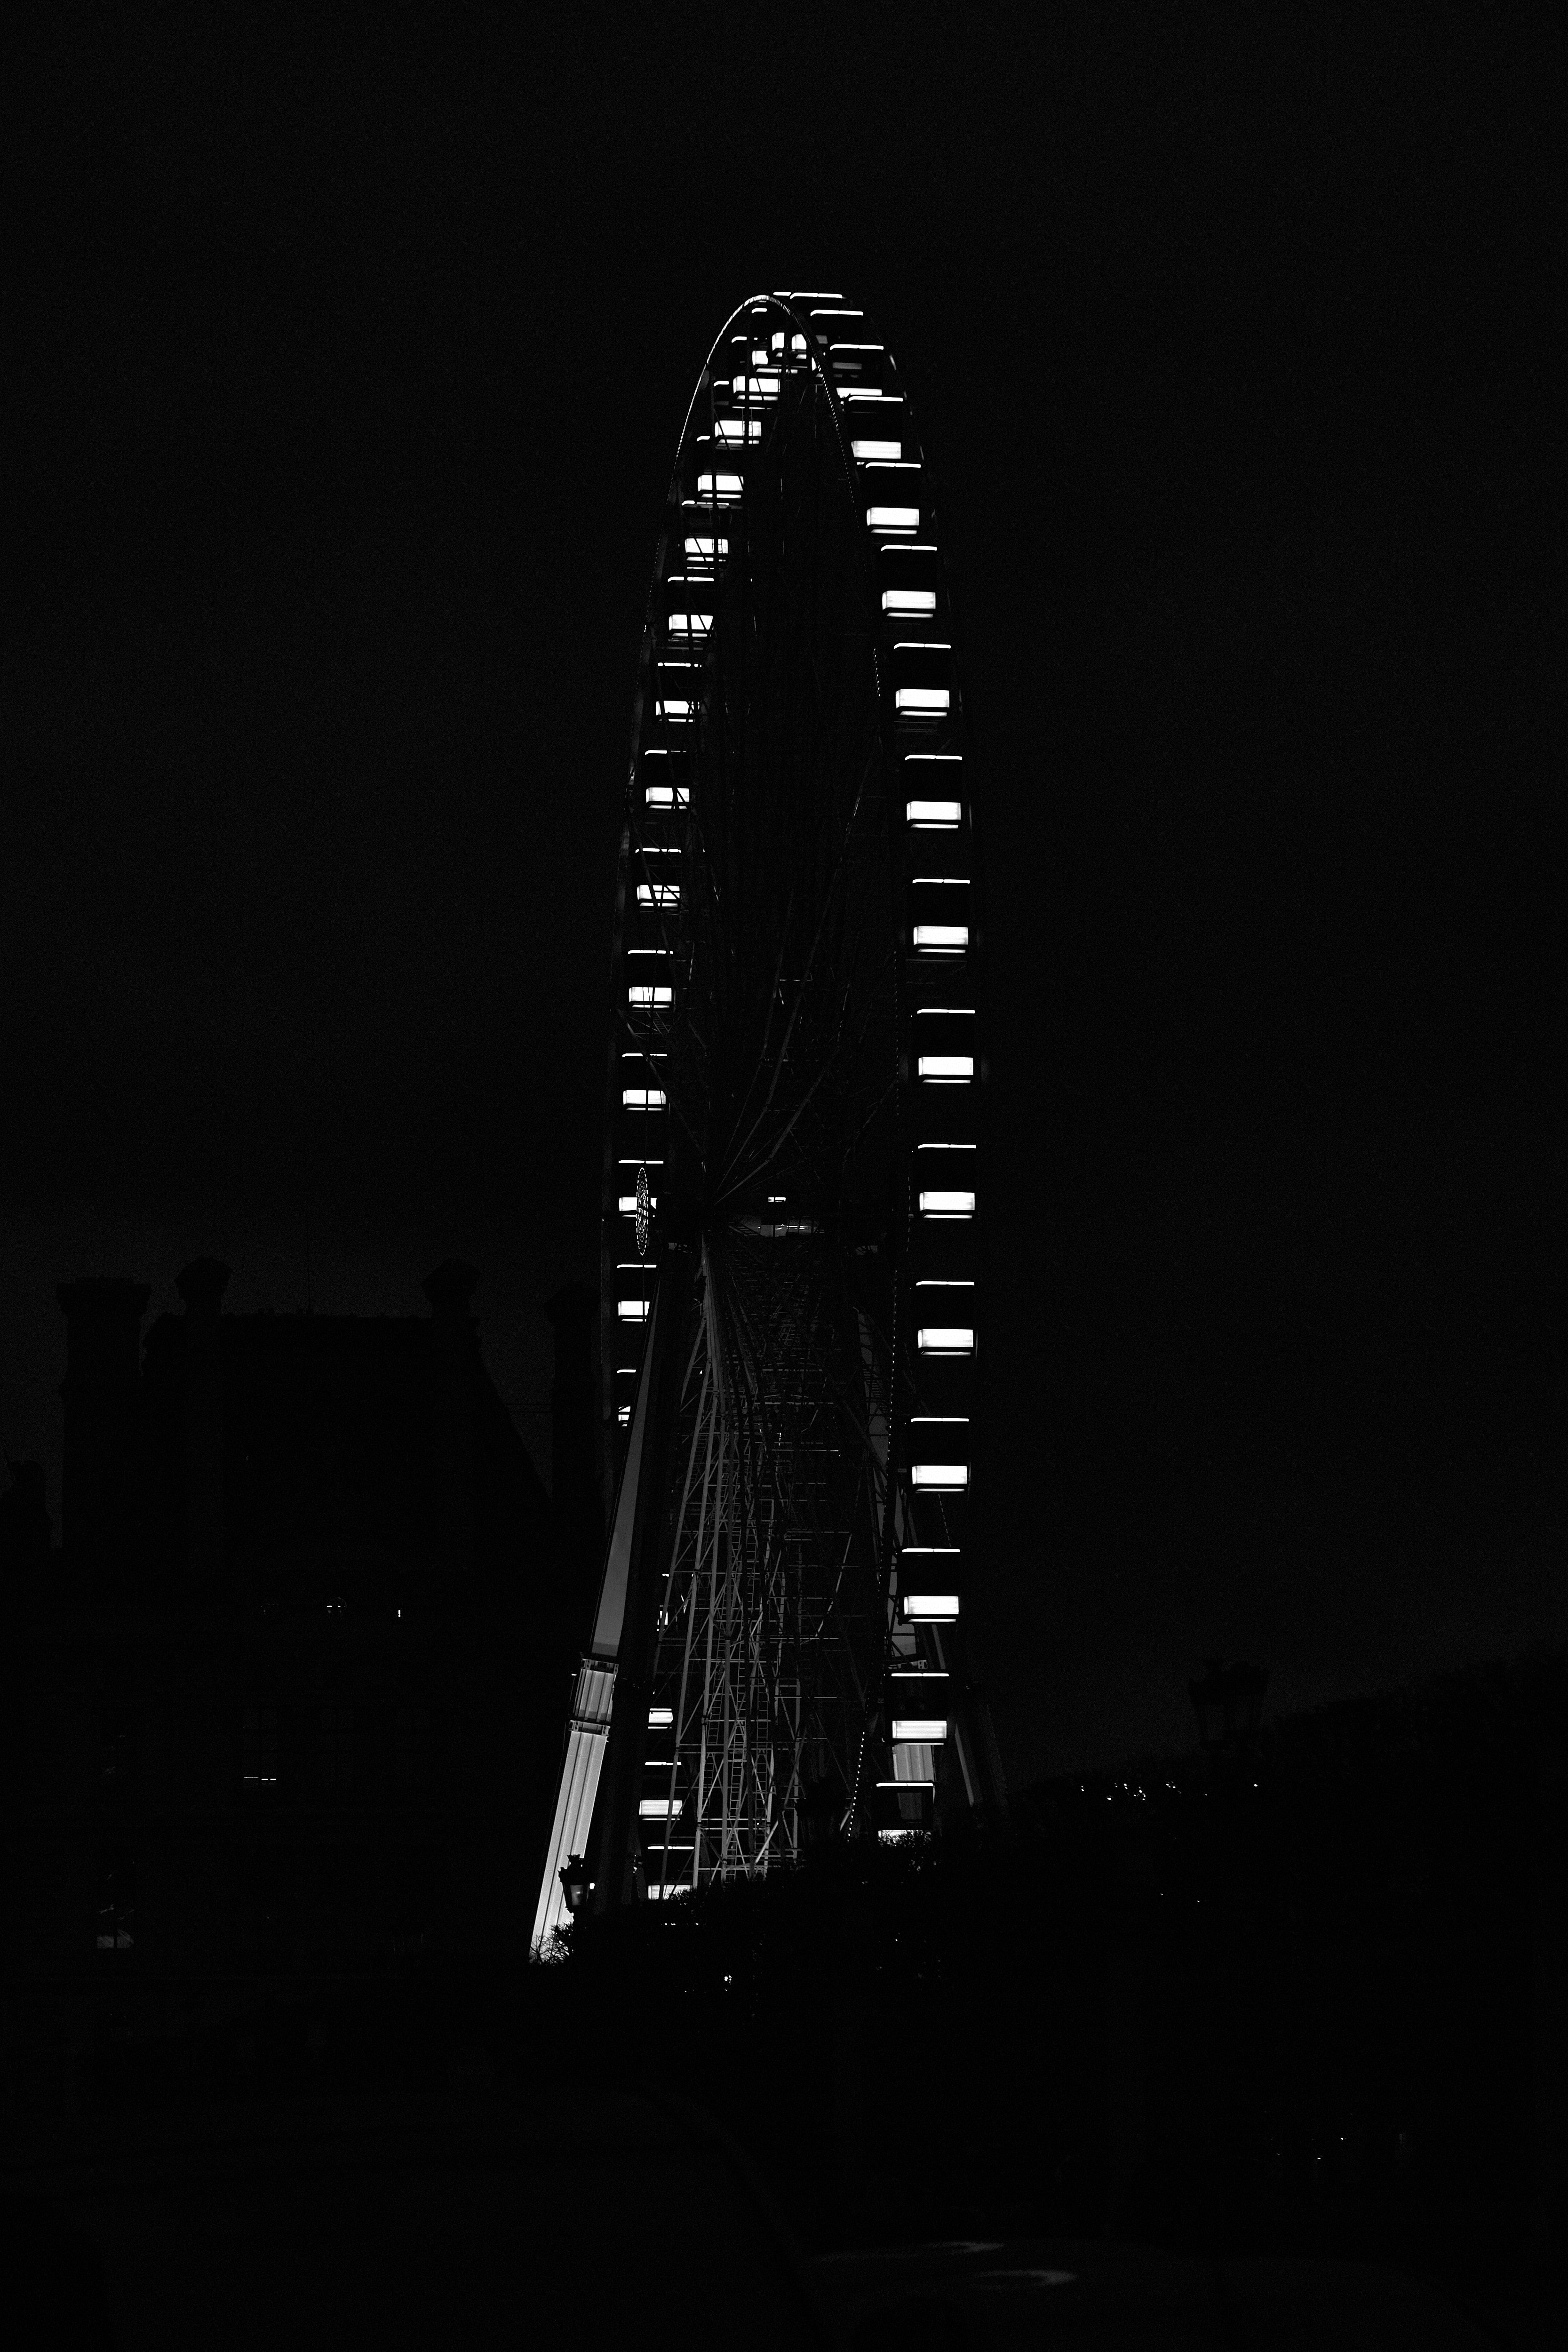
(783, 304)
(809, 359)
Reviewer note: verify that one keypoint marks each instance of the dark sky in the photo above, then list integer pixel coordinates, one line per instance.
(346, 390)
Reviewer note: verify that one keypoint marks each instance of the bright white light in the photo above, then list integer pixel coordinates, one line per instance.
(947, 1204)
(756, 387)
(931, 813)
(691, 624)
(940, 1066)
(661, 1718)
(718, 486)
(632, 1310)
(622, 1416)
(676, 708)
(930, 1608)
(945, 1340)
(660, 1809)
(642, 1098)
(627, 1203)
(702, 551)
(951, 938)
(925, 701)
(928, 1729)
(907, 600)
(657, 996)
(733, 430)
(941, 1478)
(667, 796)
(893, 518)
(869, 453)
(658, 894)
(797, 343)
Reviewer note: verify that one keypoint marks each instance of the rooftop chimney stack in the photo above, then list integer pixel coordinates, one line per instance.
(103, 1348)
(450, 1290)
(202, 1286)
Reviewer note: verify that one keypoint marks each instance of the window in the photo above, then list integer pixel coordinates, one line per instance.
(935, 1203)
(940, 1477)
(258, 1749)
(946, 1339)
(335, 1748)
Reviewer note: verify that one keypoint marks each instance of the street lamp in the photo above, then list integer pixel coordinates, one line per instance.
(576, 1883)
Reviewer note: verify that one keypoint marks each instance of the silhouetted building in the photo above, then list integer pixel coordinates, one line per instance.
(286, 1705)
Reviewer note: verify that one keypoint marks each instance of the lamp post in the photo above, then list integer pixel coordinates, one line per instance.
(576, 1883)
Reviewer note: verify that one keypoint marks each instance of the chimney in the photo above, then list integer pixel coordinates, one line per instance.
(574, 1424)
(103, 1346)
(202, 1286)
(449, 1290)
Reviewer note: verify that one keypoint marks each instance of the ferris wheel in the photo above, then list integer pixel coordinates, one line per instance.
(790, 1305)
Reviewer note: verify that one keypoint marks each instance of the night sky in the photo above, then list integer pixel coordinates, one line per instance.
(345, 390)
